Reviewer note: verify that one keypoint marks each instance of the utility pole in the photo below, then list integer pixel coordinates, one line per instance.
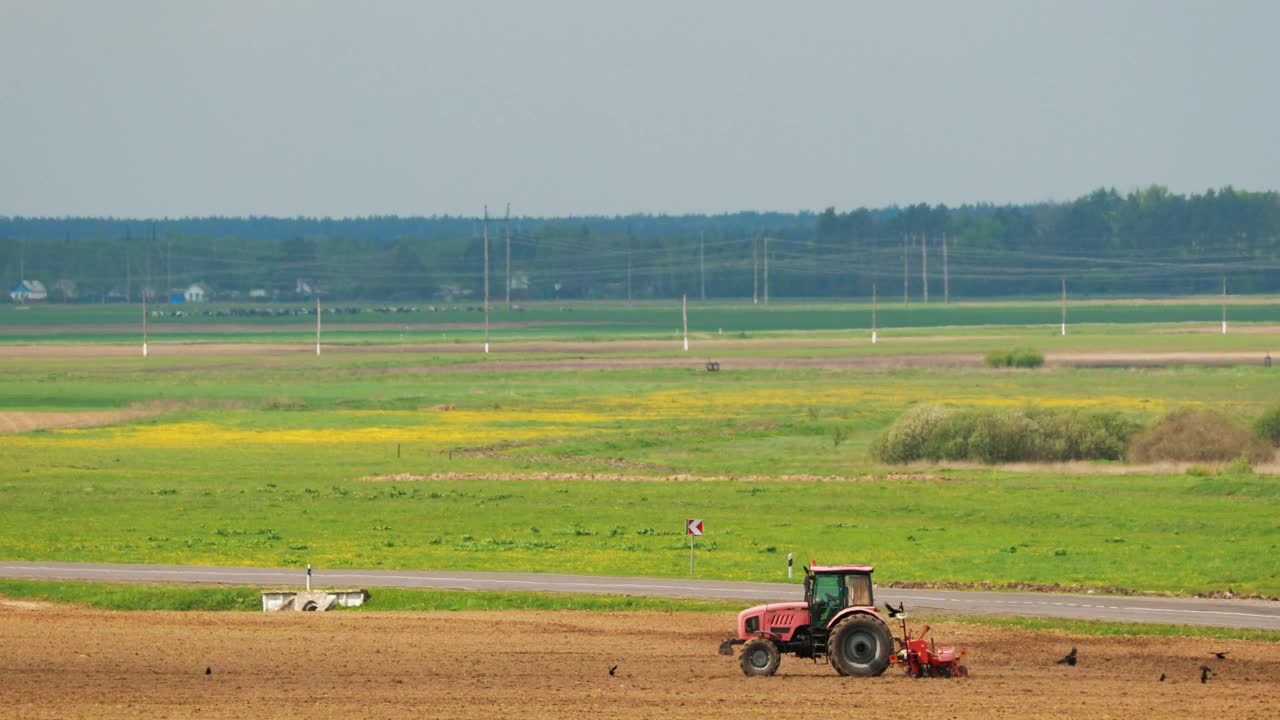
(628, 264)
(128, 278)
(1064, 307)
(755, 270)
(144, 324)
(766, 270)
(702, 270)
(486, 278)
(168, 263)
(873, 313)
(905, 246)
(684, 317)
(924, 266)
(317, 324)
(1224, 304)
(507, 227)
(946, 273)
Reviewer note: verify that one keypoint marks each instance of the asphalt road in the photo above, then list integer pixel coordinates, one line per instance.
(1252, 614)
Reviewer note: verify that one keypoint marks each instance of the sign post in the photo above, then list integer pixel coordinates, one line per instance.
(789, 559)
(692, 528)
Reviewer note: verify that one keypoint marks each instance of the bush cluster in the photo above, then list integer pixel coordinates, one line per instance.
(1007, 435)
(1197, 435)
(1015, 358)
(1268, 426)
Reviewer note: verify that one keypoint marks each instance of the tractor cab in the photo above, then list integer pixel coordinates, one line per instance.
(830, 589)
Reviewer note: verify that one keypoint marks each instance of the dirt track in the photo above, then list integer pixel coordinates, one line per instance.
(733, 355)
(61, 662)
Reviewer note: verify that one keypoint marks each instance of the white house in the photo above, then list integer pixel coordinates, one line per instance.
(29, 291)
(196, 293)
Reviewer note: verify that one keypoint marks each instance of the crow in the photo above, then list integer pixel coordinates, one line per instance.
(1161, 677)
(1070, 659)
(1221, 655)
(208, 671)
(894, 612)
(1204, 673)
(613, 670)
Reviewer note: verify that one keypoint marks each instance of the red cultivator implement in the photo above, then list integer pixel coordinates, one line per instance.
(923, 658)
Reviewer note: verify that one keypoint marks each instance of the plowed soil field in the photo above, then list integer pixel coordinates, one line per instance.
(61, 662)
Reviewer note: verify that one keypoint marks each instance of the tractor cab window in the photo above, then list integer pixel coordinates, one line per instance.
(858, 590)
(828, 596)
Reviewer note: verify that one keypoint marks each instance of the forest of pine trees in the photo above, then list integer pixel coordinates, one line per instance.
(1147, 242)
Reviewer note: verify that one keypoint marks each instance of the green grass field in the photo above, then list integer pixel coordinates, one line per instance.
(258, 460)
(459, 323)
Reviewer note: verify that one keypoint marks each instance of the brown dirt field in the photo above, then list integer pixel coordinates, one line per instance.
(60, 662)
(731, 352)
(20, 422)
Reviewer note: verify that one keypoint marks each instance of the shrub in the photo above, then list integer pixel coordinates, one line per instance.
(905, 440)
(1016, 358)
(1197, 435)
(1268, 426)
(1007, 435)
(838, 435)
(1239, 466)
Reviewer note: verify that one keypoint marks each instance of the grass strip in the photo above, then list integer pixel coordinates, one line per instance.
(1113, 629)
(125, 596)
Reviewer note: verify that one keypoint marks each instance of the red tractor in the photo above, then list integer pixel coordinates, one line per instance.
(837, 620)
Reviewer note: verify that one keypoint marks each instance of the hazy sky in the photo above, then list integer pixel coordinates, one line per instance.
(172, 108)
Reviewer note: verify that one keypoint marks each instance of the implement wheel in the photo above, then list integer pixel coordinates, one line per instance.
(860, 646)
(760, 657)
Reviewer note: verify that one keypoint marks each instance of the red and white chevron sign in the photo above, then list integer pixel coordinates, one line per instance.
(692, 527)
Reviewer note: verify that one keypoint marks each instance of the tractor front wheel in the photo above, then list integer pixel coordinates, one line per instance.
(760, 657)
(860, 646)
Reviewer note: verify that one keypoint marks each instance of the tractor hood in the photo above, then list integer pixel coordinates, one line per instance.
(773, 618)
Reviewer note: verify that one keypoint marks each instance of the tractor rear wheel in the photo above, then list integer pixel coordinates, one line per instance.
(860, 646)
(760, 657)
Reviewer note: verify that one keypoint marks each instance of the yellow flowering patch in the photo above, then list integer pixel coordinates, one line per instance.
(689, 404)
(1113, 403)
(209, 435)
(486, 426)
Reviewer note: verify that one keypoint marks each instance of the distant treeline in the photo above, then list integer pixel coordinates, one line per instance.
(1149, 242)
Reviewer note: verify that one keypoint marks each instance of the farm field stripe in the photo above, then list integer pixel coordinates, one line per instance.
(1126, 608)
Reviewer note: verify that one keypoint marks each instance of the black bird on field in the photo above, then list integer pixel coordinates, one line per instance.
(1070, 659)
(1204, 673)
(613, 670)
(1221, 655)
(894, 612)
(1161, 677)
(208, 671)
